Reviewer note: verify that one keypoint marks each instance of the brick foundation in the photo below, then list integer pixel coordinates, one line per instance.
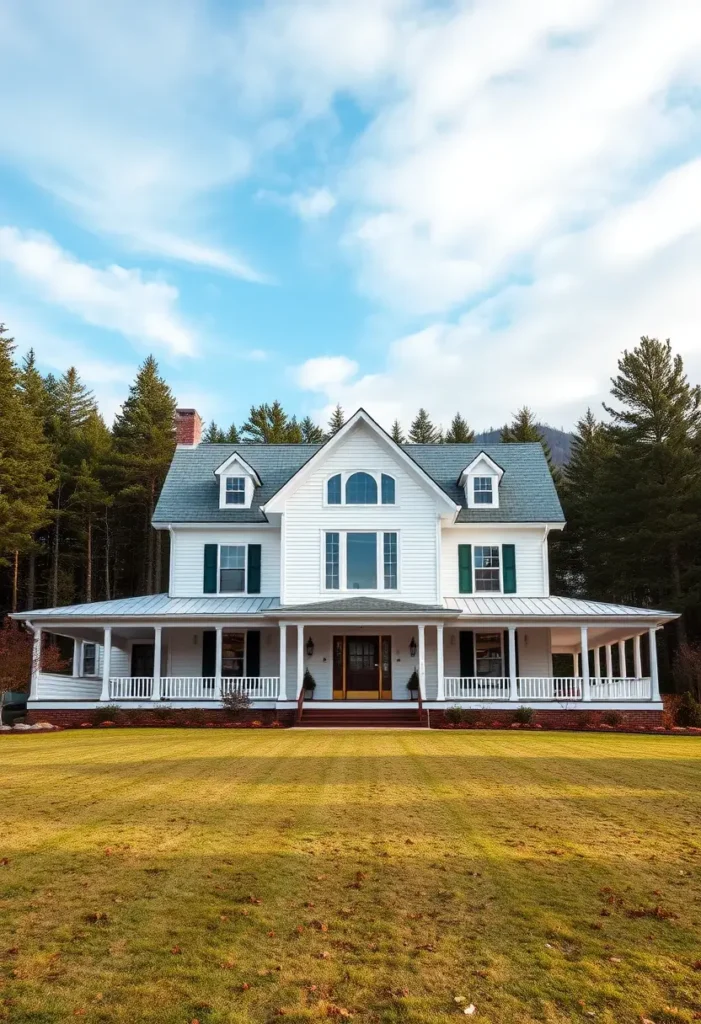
(70, 718)
(550, 719)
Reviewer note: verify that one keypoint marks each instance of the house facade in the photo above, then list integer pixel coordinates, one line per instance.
(394, 577)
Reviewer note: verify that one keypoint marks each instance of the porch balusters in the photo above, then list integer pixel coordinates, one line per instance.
(513, 682)
(440, 662)
(586, 688)
(156, 686)
(218, 640)
(106, 663)
(654, 678)
(422, 661)
(283, 662)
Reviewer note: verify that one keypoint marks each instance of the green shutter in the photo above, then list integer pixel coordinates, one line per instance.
(209, 653)
(253, 652)
(465, 568)
(253, 569)
(467, 653)
(210, 569)
(508, 554)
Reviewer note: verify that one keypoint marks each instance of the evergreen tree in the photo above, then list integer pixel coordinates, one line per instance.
(294, 432)
(524, 430)
(213, 434)
(396, 433)
(144, 441)
(311, 433)
(90, 499)
(459, 432)
(232, 435)
(422, 430)
(270, 424)
(36, 396)
(337, 420)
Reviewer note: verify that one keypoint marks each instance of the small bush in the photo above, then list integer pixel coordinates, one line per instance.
(524, 716)
(470, 716)
(107, 713)
(612, 718)
(688, 711)
(309, 682)
(236, 702)
(413, 684)
(162, 712)
(454, 715)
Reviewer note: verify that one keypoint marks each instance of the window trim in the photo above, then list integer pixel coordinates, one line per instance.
(345, 474)
(475, 634)
(475, 589)
(233, 593)
(238, 473)
(342, 561)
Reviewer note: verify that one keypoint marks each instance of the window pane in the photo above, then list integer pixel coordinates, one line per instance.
(89, 659)
(361, 553)
(333, 493)
(390, 560)
(488, 654)
(483, 490)
(232, 565)
(333, 571)
(361, 489)
(487, 569)
(235, 490)
(387, 490)
(233, 650)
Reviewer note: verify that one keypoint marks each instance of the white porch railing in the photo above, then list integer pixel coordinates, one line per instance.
(620, 689)
(188, 687)
(130, 687)
(476, 688)
(549, 688)
(255, 687)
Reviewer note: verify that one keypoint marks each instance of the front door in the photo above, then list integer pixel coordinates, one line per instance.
(142, 660)
(363, 667)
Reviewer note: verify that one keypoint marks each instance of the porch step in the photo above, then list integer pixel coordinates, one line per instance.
(358, 718)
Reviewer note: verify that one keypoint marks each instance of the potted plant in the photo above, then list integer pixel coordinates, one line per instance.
(413, 684)
(309, 685)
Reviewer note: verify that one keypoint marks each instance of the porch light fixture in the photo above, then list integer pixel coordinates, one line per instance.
(412, 648)
(310, 647)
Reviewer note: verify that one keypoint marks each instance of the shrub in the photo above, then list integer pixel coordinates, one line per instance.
(236, 702)
(688, 711)
(612, 718)
(454, 715)
(309, 682)
(413, 684)
(470, 716)
(524, 716)
(162, 712)
(107, 713)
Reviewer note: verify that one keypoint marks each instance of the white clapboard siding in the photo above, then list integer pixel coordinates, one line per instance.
(184, 651)
(53, 685)
(413, 517)
(528, 542)
(187, 554)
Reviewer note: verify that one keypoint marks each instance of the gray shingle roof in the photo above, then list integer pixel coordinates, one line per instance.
(364, 604)
(191, 491)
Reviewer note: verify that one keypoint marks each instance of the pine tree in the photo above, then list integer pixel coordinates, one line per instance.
(270, 424)
(422, 430)
(213, 434)
(311, 433)
(232, 435)
(524, 430)
(36, 396)
(396, 433)
(144, 440)
(337, 420)
(459, 432)
(90, 499)
(294, 432)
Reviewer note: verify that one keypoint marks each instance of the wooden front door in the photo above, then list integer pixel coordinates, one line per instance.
(363, 667)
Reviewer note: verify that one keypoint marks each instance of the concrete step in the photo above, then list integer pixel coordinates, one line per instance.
(354, 719)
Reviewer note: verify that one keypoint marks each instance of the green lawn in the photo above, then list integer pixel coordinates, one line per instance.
(216, 876)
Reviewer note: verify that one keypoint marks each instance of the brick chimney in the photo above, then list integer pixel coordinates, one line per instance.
(188, 426)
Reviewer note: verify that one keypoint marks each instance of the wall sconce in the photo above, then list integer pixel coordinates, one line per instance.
(412, 648)
(310, 647)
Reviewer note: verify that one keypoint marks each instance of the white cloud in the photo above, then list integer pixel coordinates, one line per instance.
(325, 372)
(116, 298)
(311, 205)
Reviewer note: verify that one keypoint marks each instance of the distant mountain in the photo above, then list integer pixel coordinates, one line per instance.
(559, 441)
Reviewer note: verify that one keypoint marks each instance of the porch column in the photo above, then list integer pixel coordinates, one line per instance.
(513, 683)
(654, 678)
(609, 661)
(422, 661)
(218, 633)
(36, 665)
(106, 662)
(440, 662)
(77, 670)
(575, 665)
(300, 658)
(586, 689)
(637, 657)
(622, 667)
(597, 663)
(282, 695)
(157, 638)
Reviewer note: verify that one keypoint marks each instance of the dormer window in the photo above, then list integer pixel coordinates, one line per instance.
(236, 490)
(483, 490)
(361, 488)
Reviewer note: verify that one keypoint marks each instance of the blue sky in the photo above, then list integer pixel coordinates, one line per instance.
(462, 205)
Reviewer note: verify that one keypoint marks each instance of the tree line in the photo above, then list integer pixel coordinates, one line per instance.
(77, 496)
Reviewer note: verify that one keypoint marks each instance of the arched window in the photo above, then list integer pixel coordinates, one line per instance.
(388, 495)
(361, 489)
(333, 490)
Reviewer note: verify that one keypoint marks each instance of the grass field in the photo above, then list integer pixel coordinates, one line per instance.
(211, 876)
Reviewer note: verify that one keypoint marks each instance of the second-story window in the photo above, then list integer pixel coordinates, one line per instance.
(236, 490)
(361, 489)
(361, 561)
(356, 560)
(483, 490)
(333, 490)
(388, 489)
(487, 569)
(232, 569)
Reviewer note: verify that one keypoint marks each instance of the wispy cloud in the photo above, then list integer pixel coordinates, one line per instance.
(313, 204)
(117, 298)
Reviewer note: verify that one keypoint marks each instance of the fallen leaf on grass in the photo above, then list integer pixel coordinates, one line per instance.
(337, 1011)
(615, 960)
(98, 915)
(175, 950)
(245, 986)
(4, 861)
(470, 1010)
(228, 965)
(324, 955)
(271, 935)
(79, 1013)
(459, 999)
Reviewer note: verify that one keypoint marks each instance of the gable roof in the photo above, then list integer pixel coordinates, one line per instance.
(191, 490)
(487, 460)
(237, 458)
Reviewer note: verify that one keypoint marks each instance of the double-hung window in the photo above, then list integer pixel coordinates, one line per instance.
(488, 654)
(233, 654)
(89, 659)
(483, 492)
(232, 569)
(487, 569)
(364, 560)
(235, 490)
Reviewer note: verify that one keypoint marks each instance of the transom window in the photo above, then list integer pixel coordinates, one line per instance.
(232, 569)
(236, 490)
(488, 654)
(361, 488)
(487, 569)
(233, 650)
(361, 561)
(483, 492)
